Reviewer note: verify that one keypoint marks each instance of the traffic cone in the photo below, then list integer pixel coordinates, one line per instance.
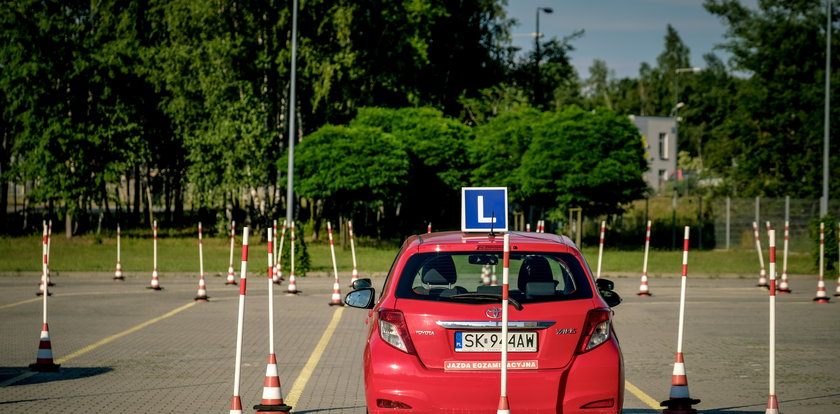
(40, 291)
(155, 285)
(772, 405)
(784, 287)
(235, 405)
(272, 398)
(837, 291)
(821, 296)
(44, 361)
(336, 295)
(643, 288)
(679, 401)
(485, 275)
(202, 290)
(493, 281)
(118, 274)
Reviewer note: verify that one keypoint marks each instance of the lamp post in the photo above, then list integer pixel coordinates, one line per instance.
(538, 57)
(677, 106)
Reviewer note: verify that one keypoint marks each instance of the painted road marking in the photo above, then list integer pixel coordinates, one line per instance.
(103, 342)
(642, 396)
(309, 368)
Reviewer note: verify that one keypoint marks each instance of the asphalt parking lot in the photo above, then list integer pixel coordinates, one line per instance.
(125, 348)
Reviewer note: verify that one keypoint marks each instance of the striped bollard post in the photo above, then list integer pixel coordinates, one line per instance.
(772, 402)
(601, 249)
(272, 397)
(44, 359)
(821, 296)
(429, 228)
(49, 253)
(680, 401)
(202, 286)
(43, 283)
(784, 287)
(643, 288)
(275, 278)
(231, 278)
(504, 404)
(236, 401)
(762, 274)
(292, 288)
(355, 275)
(335, 300)
(118, 274)
(155, 285)
(278, 261)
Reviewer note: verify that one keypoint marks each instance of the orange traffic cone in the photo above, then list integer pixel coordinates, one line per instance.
(202, 290)
(679, 401)
(235, 405)
(272, 398)
(155, 285)
(40, 291)
(772, 405)
(643, 288)
(336, 295)
(44, 361)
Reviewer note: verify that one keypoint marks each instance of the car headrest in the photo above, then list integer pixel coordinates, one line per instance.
(534, 269)
(439, 271)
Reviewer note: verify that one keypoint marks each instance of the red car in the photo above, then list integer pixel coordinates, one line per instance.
(434, 342)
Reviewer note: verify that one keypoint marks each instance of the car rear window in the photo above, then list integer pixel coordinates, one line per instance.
(461, 276)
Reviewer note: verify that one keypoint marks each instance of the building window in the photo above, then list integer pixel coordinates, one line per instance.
(663, 146)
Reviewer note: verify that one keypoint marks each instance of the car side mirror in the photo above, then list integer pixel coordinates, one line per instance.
(361, 298)
(605, 287)
(361, 283)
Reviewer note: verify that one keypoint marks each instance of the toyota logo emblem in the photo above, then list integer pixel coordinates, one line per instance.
(494, 312)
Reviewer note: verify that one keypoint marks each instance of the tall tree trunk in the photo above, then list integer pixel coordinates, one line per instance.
(68, 224)
(136, 213)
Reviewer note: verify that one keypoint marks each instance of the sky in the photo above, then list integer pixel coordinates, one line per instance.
(623, 33)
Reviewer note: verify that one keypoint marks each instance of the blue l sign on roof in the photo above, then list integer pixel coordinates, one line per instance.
(484, 208)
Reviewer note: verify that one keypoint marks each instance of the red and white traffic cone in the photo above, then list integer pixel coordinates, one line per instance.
(272, 397)
(202, 288)
(155, 285)
(336, 295)
(485, 275)
(118, 274)
(772, 405)
(231, 277)
(821, 296)
(44, 361)
(762, 274)
(292, 288)
(643, 288)
(355, 275)
(493, 280)
(784, 287)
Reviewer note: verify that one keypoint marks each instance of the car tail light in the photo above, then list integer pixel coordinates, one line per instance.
(596, 330)
(394, 331)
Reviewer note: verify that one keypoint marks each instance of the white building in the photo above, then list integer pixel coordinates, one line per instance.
(659, 133)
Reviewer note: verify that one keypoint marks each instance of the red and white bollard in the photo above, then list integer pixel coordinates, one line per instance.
(643, 287)
(202, 286)
(601, 249)
(118, 274)
(235, 401)
(762, 274)
(292, 288)
(43, 284)
(49, 253)
(429, 228)
(44, 360)
(272, 397)
(155, 282)
(504, 404)
(784, 287)
(231, 278)
(680, 401)
(278, 263)
(355, 275)
(528, 227)
(335, 300)
(485, 275)
(821, 296)
(772, 402)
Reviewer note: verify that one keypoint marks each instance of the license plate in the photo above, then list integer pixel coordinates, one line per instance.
(481, 341)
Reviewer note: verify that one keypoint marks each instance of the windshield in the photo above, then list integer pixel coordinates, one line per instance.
(469, 276)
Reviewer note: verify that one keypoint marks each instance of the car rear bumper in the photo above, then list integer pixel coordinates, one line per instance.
(596, 376)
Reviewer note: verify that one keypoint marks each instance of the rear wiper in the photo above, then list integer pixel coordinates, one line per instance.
(487, 296)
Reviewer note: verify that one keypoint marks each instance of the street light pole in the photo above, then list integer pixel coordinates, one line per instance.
(824, 199)
(538, 57)
(291, 163)
(677, 106)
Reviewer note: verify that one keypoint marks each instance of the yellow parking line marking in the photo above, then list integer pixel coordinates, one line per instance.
(642, 396)
(20, 303)
(103, 342)
(309, 368)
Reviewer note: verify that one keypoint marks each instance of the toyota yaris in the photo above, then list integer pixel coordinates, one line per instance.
(434, 340)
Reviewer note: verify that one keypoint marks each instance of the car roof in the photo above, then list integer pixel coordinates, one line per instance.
(456, 240)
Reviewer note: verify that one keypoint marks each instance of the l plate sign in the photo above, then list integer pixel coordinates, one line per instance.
(483, 209)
